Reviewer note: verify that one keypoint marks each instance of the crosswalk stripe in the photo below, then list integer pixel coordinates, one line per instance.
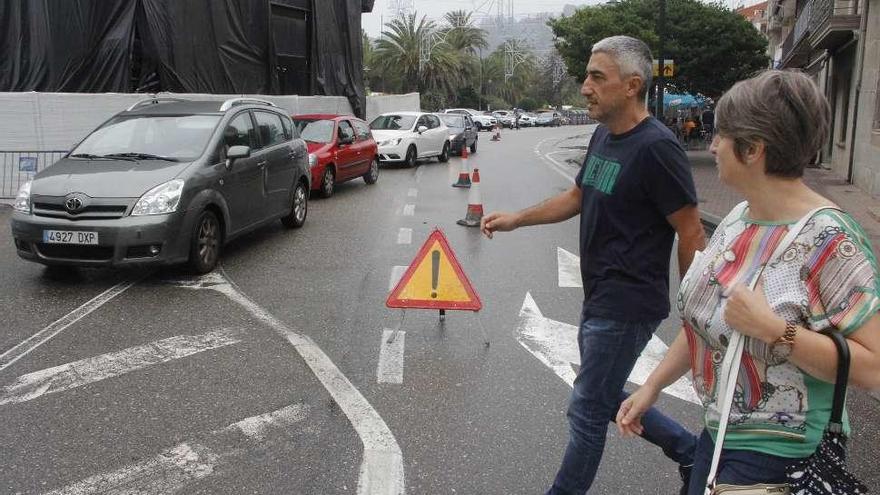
(94, 369)
(177, 467)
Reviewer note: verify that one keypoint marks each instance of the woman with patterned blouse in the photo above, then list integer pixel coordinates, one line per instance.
(769, 128)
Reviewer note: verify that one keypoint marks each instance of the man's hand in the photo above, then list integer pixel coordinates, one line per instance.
(498, 221)
(629, 417)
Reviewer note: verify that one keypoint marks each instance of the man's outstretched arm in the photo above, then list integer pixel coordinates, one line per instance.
(556, 209)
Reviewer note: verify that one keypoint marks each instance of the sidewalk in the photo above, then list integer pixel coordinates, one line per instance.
(717, 199)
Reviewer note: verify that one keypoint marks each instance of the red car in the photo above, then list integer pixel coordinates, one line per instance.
(341, 148)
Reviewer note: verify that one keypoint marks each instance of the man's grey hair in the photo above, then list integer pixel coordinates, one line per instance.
(633, 58)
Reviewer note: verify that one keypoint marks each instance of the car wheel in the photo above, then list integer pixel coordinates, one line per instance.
(299, 209)
(372, 175)
(444, 155)
(410, 160)
(474, 146)
(328, 182)
(205, 243)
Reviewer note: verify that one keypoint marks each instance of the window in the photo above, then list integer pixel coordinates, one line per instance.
(270, 128)
(363, 130)
(433, 121)
(345, 131)
(423, 121)
(288, 128)
(240, 132)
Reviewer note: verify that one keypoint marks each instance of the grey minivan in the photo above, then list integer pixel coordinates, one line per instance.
(166, 181)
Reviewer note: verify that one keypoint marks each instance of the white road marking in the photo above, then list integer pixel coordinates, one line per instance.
(396, 274)
(409, 210)
(94, 369)
(554, 343)
(412, 193)
(404, 236)
(569, 267)
(390, 369)
(381, 470)
(174, 469)
(36, 340)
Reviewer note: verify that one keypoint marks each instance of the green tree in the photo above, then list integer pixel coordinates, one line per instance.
(461, 33)
(712, 46)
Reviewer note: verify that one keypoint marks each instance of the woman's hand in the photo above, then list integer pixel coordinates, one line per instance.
(748, 312)
(629, 416)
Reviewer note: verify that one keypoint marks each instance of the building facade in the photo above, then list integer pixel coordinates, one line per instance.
(837, 42)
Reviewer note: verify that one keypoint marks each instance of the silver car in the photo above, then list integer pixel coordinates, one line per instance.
(165, 181)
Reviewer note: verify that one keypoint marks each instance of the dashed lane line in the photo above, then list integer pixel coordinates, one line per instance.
(412, 193)
(391, 351)
(36, 340)
(176, 468)
(381, 471)
(409, 210)
(404, 236)
(94, 369)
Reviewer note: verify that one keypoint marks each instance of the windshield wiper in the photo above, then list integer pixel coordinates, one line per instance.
(142, 156)
(89, 156)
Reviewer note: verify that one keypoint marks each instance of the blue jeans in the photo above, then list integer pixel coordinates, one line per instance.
(609, 350)
(736, 467)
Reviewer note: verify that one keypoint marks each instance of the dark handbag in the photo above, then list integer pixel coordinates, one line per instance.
(824, 472)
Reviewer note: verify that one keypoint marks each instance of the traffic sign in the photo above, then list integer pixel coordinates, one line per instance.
(435, 280)
(668, 68)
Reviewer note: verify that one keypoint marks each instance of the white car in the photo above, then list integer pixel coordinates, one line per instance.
(481, 120)
(527, 120)
(506, 117)
(405, 137)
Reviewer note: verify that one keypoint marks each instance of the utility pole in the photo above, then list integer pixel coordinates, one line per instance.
(661, 57)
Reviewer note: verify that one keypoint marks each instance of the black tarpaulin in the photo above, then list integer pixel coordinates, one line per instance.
(185, 46)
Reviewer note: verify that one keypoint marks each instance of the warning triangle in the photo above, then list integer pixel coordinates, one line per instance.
(435, 280)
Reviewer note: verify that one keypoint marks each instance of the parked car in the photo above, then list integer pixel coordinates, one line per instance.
(481, 120)
(341, 148)
(165, 181)
(462, 132)
(407, 136)
(527, 120)
(548, 119)
(506, 117)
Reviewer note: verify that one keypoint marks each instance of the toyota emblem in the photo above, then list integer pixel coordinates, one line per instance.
(73, 204)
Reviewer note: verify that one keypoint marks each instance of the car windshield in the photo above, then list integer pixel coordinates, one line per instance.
(392, 122)
(316, 131)
(179, 137)
(453, 120)
(545, 114)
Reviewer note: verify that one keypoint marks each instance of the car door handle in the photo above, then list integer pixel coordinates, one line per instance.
(262, 164)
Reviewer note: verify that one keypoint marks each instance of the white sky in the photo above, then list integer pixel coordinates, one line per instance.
(435, 9)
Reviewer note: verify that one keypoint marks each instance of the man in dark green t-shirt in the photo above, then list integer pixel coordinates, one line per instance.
(634, 193)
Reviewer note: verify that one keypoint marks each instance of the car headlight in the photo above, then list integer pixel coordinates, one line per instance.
(164, 198)
(23, 200)
(313, 159)
(390, 142)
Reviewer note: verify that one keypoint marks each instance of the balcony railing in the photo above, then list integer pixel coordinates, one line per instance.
(825, 23)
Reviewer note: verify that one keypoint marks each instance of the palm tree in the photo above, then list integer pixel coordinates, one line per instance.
(397, 51)
(462, 35)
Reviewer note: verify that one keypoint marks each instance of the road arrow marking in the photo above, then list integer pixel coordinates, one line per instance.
(554, 343)
(94, 369)
(176, 468)
(569, 268)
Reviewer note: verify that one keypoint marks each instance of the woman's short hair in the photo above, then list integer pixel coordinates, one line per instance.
(783, 109)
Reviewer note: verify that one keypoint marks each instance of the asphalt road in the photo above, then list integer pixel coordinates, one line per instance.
(264, 377)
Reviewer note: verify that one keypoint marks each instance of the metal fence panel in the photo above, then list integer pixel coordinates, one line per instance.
(17, 167)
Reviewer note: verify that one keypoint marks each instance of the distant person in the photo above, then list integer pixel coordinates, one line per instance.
(688, 130)
(827, 279)
(634, 192)
(709, 121)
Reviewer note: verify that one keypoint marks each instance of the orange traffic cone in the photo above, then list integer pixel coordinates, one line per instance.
(464, 178)
(475, 204)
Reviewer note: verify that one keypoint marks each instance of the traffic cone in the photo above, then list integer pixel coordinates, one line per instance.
(475, 204)
(464, 178)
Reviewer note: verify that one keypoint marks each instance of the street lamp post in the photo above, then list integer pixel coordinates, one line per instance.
(661, 35)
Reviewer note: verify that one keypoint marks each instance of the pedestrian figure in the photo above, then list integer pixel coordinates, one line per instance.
(826, 280)
(634, 192)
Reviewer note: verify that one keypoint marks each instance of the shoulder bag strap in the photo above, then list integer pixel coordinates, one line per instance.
(733, 356)
(835, 424)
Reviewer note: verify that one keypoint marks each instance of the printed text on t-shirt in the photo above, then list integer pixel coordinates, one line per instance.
(601, 173)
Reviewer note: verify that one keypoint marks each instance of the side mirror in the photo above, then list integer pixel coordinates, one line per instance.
(422, 129)
(236, 152)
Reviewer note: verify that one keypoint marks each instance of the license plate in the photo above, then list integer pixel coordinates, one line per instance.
(69, 237)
